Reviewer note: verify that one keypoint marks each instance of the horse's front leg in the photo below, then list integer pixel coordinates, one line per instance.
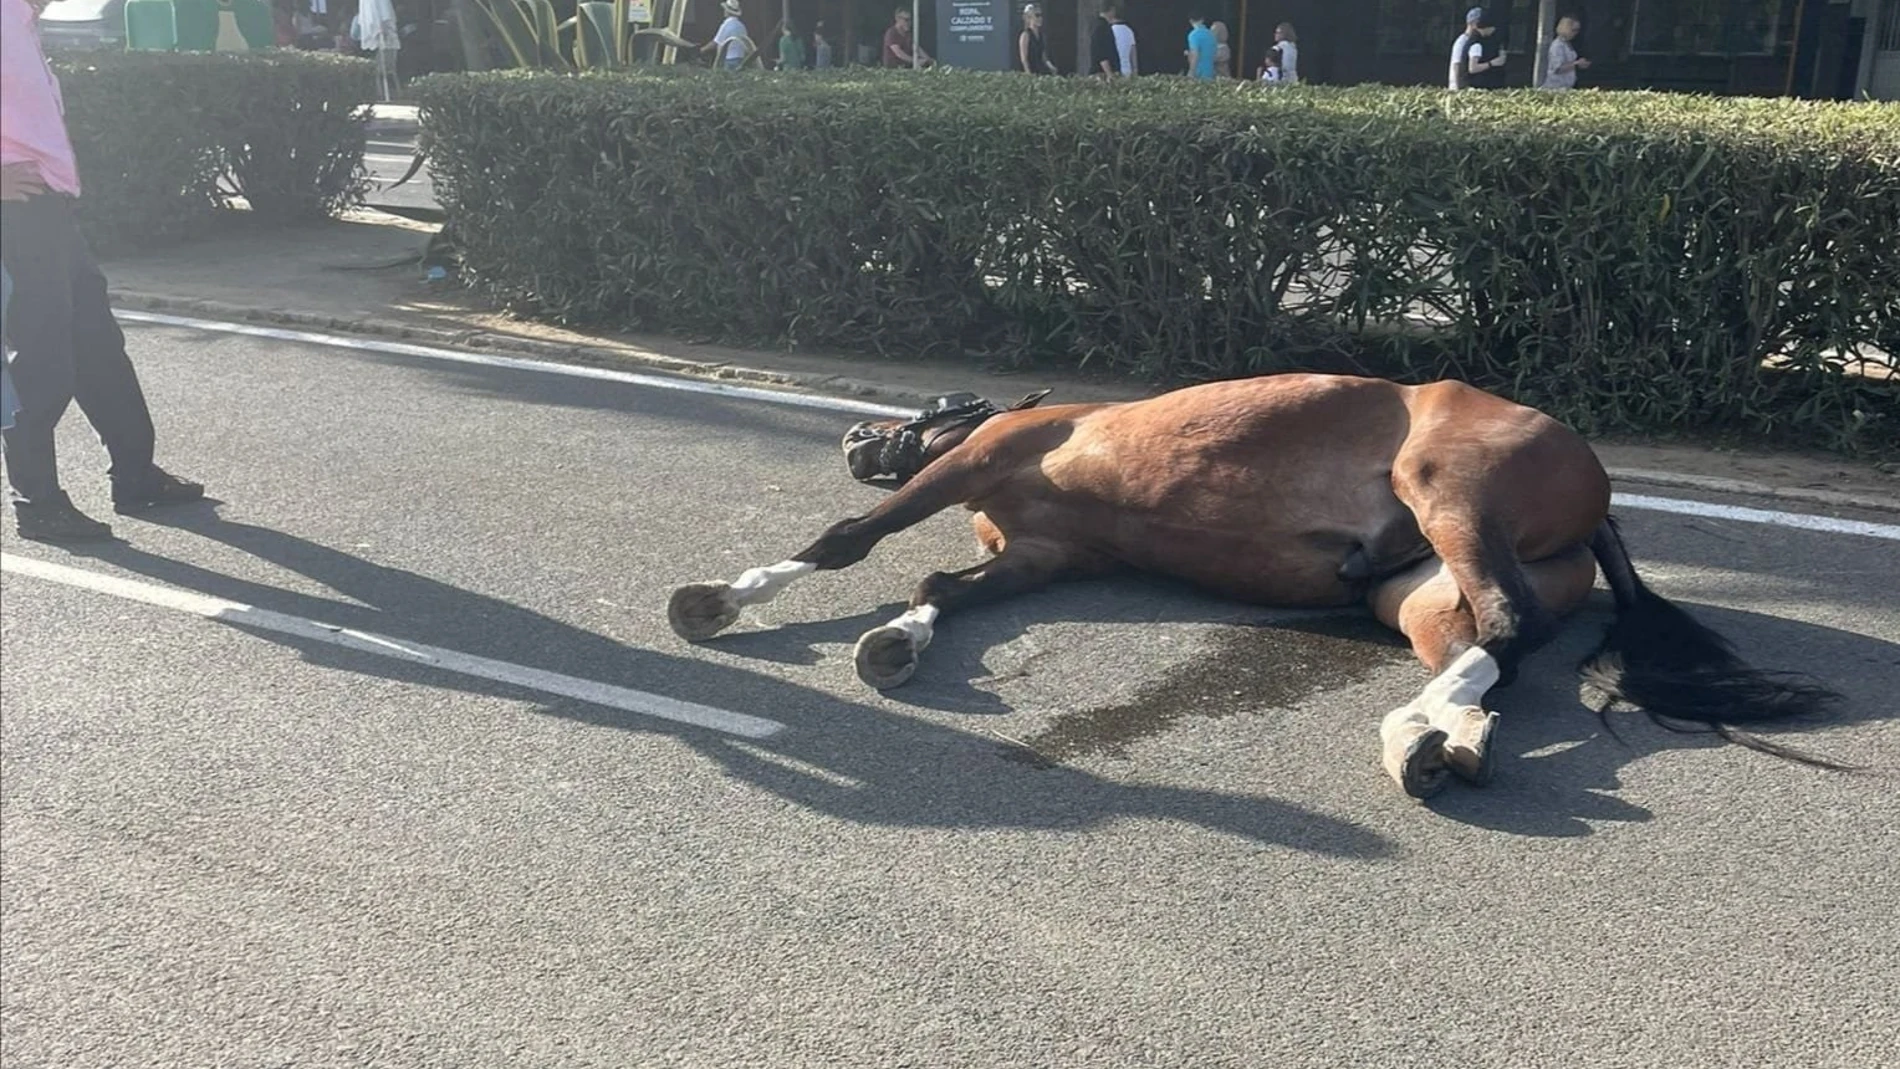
(701, 610)
(887, 656)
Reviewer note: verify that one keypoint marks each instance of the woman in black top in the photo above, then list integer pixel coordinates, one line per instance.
(1030, 56)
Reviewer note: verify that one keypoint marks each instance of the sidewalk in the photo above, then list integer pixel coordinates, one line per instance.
(393, 120)
(335, 277)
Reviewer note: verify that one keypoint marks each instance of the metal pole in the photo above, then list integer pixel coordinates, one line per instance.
(1794, 51)
(1546, 29)
(916, 34)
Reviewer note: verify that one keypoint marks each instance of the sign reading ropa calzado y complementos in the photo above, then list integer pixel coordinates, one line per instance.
(973, 34)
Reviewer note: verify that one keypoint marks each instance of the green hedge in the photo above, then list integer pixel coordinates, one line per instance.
(1627, 261)
(166, 140)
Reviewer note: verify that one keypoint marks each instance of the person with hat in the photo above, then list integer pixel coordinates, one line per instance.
(1467, 52)
(1032, 55)
(731, 39)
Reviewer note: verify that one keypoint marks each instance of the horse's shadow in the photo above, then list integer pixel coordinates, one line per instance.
(1558, 762)
(837, 757)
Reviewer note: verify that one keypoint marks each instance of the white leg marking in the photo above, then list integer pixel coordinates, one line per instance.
(1461, 685)
(919, 623)
(1443, 701)
(756, 586)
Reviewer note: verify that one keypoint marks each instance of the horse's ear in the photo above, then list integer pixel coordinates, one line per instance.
(1030, 400)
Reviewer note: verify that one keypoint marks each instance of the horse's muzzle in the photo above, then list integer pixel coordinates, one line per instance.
(872, 452)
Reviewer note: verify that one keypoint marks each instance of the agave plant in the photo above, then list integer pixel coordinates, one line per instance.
(533, 38)
(599, 34)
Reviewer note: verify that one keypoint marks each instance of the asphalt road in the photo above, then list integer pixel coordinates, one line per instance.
(227, 845)
(387, 160)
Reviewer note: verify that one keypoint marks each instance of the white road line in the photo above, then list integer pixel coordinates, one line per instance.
(514, 363)
(237, 613)
(1801, 520)
(1642, 502)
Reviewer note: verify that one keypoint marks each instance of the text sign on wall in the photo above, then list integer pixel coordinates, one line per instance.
(973, 34)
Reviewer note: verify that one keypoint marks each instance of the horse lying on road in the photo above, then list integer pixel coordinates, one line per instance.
(1468, 523)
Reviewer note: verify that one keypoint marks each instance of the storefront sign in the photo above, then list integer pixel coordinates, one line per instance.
(973, 34)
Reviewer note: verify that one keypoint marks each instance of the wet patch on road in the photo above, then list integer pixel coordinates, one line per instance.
(1273, 665)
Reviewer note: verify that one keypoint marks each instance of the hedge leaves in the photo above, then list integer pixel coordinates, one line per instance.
(1623, 260)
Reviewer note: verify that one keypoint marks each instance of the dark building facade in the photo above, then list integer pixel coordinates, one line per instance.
(1832, 49)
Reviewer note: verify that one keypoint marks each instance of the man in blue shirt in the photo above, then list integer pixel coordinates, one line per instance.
(1200, 49)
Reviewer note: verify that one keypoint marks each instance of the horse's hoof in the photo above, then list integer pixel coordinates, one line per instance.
(1468, 750)
(1418, 765)
(701, 610)
(886, 656)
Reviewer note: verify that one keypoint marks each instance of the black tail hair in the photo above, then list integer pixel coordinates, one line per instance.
(1658, 658)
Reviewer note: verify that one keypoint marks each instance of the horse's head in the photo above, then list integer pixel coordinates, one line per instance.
(900, 448)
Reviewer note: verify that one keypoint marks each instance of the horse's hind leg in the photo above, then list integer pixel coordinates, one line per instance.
(887, 656)
(701, 610)
(1446, 728)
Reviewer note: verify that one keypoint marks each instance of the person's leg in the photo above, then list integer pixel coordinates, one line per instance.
(37, 253)
(108, 391)
(6, 353)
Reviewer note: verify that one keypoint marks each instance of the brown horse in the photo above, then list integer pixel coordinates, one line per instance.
(1468, 523)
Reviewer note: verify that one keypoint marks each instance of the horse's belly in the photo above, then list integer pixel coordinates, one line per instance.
(1285, 569)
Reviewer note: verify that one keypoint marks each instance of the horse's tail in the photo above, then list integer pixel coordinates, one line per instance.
(1658, 658)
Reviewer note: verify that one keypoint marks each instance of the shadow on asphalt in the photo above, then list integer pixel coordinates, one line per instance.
(1559, 763)
(839, 758)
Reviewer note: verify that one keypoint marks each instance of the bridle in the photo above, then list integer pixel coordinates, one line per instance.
(906, 446)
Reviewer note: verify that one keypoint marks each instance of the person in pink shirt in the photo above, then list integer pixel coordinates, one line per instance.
(66, 343)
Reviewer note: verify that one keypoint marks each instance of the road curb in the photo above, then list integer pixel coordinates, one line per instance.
(817, 382)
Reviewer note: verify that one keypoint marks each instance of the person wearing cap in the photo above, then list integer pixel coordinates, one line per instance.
(1032, 56)
(898, 45)
(731, 38)
(1467, 52)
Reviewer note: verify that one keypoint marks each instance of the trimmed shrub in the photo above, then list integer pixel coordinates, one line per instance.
(166, 140)
(1624, 261)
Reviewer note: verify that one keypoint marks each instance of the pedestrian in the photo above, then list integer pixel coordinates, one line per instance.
(1032, 54)
(1105, 55)
(1467, 52)
(1125, 45)
(1564, 61)
(68, 344)
(1286, 53)
(732, 38)
(900, 49)
(1201, 48)
(791, 50)
(1223, 52)
(820, 48)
